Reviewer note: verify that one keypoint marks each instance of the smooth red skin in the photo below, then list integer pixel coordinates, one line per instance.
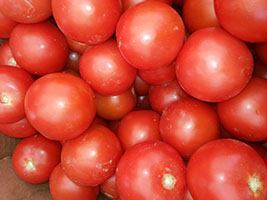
(147, 31)
(245, 115)
(60, 106)
(43, 152)
(39, 48)
(115, 107)
(99, 121)
(162, 96)
(261, 150)
(19, 129)
(221, 169)
(158, 76)
(87, 21)
(126, 4)
(14, 82)
(138, 126)
(114, 125)
(244, 19)
(140, 86)
(144, 165)
(78, 47)
(260, 69)
(199, 14)
(28, 11)
(213, 65)
(261, 51)
(143, 103)
(91, 158)
(109, 188)
(61, 187)
(105, 70)
(6, 56)
(188, 124)
(6, 26)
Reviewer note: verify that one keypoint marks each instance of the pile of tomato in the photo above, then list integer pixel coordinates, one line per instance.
(138, 99)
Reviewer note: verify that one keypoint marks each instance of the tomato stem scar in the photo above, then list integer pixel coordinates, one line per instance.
(168, 181)
(255, 185)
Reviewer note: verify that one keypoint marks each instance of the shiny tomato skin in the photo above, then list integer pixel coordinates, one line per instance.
(261, 50)
(78, 47)
(91, 158)
(109, 188)
(14, 83)
(138, 126)
(105, 70)
(39, 48)
(151, 170)
(213, 65)
(222, 169)
(61, 187)
(6, 56)
(35, 157)
(6, 26)
(60, 106)
(126, 4)
(245, 115)
(87, 21)
(147, 31)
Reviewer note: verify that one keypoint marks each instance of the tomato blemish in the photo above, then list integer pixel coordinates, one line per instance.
(5, 99)
(255, 185)
(30, 165)
(168, 181)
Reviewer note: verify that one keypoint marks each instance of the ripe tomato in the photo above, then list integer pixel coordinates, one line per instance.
(151, 170)
(60, 106)
(87, 21)
(130, 3)
(34, 158)
(138, 126)
(140, 86)
(109, 188)
(147, 31)
(213, 65)
(91, 158)
(14, 83)
(261, 50)
(39, 48)
(106, 71)
(78, 47)
(245, 115)
(61, 187)
(261, 150)
(6, 56)
(6, 25)
(227, 169)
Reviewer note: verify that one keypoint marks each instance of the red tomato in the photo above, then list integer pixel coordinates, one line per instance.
(6, 56)
(227, 169)
(109, 188)
(34, 158)
(87, 21)
(245, 116)
(199, 14)
(78, 47)
(261, 50)
(158, 76)
(130, 3)
(213, 65)
(60, 106)
(91, 158)
(19, 129)
(260, 69)
(188, 124)
(261, 150)
(138, 126)
(26, 11)
(99, 121)
(162, 96)
(187, 195)
(106, 71)
(6, 25)
(39, 48)
(140, 86)
(14, 83)
(147, 31)
(245, 19)
(61, 187)
(115, 107)
(151, 170)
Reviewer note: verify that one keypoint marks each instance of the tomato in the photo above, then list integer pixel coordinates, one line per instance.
(126, 4)
(19, 129)
(6, 56)
(60, 106)
(14, 83)
(245, 116)
(261, 50)
(261, 150)
(99, 121)
(61, 187)
(188, 124)
(260, 69)
(162, 96)
(199, 14)
(6, 25)
(151, 170)
(158, 76)
(140, 86)
(87, 21)
(39, 48)
(27, 11)
(227, 169)
(91, 158)
(34, 158)
(147, 31)
(187, 195)
(115, 107)
(213, 65)
(106, 71)
(143, 103)
(138, 126)
(244, 19)
(109, 188)
(78, 47)
(73, 61)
